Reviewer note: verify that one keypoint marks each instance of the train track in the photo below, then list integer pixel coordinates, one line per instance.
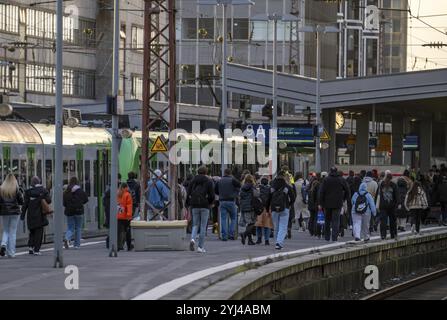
(432, 286)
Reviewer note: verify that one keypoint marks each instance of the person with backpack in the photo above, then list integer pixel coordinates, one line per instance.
(404, 184)
(302, 214)
(227, 189)
(387, 201)
(315, 229)
(264, 222)
(135, 191)
(280, 200)
(125, 209)
(11, 198)
(333, 192)
(416, 202)
(36, 219)
(74, 199)
(200, 197)
(363, 207)
(157, 195)
(248, 195)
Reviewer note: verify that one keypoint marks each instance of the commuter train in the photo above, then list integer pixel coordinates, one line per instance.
(28, 149)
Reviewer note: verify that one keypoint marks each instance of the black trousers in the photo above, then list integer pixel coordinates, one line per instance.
(331, 223)
(416, 215)
(35, 239)
(384, 215)
(124, 234)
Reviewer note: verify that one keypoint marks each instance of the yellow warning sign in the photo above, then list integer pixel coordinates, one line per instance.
(325, 136)
(159, 145)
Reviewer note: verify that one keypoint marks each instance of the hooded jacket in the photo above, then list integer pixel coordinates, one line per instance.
(158, 193)
(205, 184)
(419, 202)
(371, 205)
(134, 187)
(74, 201)
(279, 183)
(125, 205)
(32, 207)
(371, 186)
(248, 191)
(334, 190)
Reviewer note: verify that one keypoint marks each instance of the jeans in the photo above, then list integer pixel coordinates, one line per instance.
(260, 230)
(280, 223)
(200, 217)
(74, 226)
(360, 225)
(10, 223)
(331, 221)
(227, 209)
(35, 239)
(384, 215)
(416, 215)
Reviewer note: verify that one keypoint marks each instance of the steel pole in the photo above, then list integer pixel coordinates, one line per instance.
(113, 233)
(58, 160)
(274, 97)
(317, 108)
(224, 84)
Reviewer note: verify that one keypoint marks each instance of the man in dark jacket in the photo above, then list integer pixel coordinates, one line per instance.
(134, 190)
(387, 203)
(35, 219)
(227, 189)
(333, 192)
(200, 196)
(279, 202)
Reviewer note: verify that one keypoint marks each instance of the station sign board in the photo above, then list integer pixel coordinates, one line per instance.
(410, 143)
(299, 136)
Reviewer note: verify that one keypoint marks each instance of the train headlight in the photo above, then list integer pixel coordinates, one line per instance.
(5, 110)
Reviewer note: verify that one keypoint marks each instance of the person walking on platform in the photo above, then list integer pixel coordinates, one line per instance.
(300, 205)
(387, 200)
(200, 197)
(125, 207)
(35, 217)
(333, 192)
(363, 207)
(404, 184)
(264, 222)
(74, 199)
(315, 229)
(11, 198)
(416, 202)
(227, 189)
(280, 200)
(246, 195)
(135, 191)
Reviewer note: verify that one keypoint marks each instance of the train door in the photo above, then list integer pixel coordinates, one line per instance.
(101, 180)
(86, 157)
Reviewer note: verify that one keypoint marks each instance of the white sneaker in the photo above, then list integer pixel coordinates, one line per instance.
(201, 250)
(413, 229)
(192, 244)
(37, 253)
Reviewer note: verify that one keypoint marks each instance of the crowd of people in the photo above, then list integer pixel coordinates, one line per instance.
(326, 205)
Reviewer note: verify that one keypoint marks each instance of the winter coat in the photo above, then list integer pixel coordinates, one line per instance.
(206, 184)
(11, 206)
(363, 190)
(389, 193)
(264, 193)
(227, 188)
(313, 196)
(32, 207)
(333, 192)
(419, 202)
(157, 193)
(371, 186)
(277, 184)
(74, 200)
(248, 191)
(134, 187)
(402, 189)
(299, 205)
(125, 205)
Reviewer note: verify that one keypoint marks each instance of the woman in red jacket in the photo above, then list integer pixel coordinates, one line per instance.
(124, 216)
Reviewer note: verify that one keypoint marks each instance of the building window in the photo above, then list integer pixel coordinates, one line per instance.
(137, 87)
(189, 28)
(137, 38)
(387, 3)
(396, 25)
(396, 51)
(9, 18)
(258, 31)
(78, 83)
(206, 28)
(9, 77)
(240, 29)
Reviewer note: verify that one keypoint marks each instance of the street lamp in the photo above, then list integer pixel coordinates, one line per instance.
(275, 18)
(224, 106)
(318, 30)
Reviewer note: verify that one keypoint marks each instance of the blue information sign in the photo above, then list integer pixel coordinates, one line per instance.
(300, 136)
(411, 143)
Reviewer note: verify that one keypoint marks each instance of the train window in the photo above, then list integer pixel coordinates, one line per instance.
(48, 173)
(87, 177)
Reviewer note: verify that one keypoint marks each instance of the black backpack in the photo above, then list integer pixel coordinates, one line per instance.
(258, 205)
(279, 199)
(198, 197)
(361, 204)
(133, 193)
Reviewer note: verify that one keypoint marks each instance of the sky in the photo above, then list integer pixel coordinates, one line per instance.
(419, 33)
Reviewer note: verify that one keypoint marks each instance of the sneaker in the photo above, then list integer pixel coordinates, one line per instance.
(278, 246)
(12, 256)
(413, 229)
(250, 242)
(30, 250)
(267, 243)
(2, 251)
(37, 253)
(366, 240)
(201, 250)
(259, 241)
(78, 247)
(242, 238)
(191, 245)
(357, 239)
(130, 248)
(66, 245)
